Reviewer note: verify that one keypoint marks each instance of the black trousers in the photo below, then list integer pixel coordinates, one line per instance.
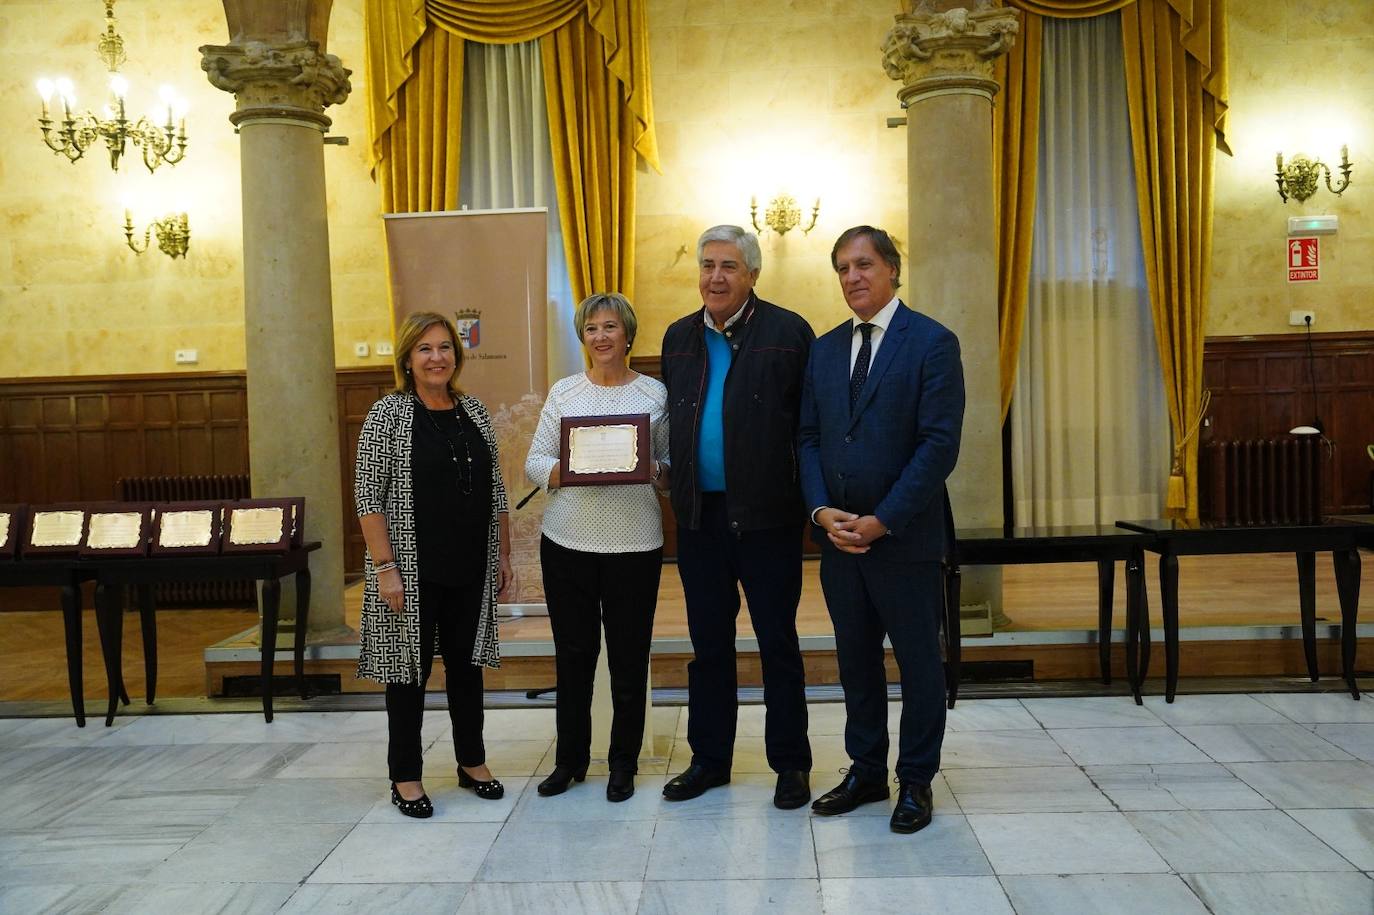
(585, 591)
(714, 562)
(869, 598)
(452, 612)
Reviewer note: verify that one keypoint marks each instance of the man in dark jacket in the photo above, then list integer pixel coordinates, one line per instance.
(734, 370)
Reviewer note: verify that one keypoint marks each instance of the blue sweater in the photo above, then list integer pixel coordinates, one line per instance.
(711, 435)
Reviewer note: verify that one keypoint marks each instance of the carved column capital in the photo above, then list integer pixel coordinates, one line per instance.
(288, 80)
(949, 52)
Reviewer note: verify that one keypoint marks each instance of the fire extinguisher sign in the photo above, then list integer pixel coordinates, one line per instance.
(1304, 257)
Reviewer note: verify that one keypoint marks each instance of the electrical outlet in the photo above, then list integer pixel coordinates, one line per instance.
(384, 348)
(1300, 318)
(186, 357)
(360, 349)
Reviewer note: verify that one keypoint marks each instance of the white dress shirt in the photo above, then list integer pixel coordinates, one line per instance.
(880, 321)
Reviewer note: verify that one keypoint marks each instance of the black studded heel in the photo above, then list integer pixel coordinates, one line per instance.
(490, 790)
(420, 808)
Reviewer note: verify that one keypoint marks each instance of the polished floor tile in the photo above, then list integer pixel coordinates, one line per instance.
(418, 851)
(185, 898)
(853, 846)
(1126, 746)
(308, 800)
(1091, 712)
(1028, 790)
(551, 898)
(1234, 841)
(1319, 708)
(905, 895)
(989, 715)
(1001, 749)
(1187, 786)
(339, 760)
(731, 849)
(1300, 785)
(1260, 742)
(568, 852)
(360, 898)
(1065, 843)
(1284, 893)
(1349, 832)
(228, 853)
(505, 758)
(1213, 709)
(1355, 739)
(585, 802)
(694, 897)
(1090, 894)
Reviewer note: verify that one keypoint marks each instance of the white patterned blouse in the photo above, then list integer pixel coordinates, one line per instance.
(383, 483)
(600, 519)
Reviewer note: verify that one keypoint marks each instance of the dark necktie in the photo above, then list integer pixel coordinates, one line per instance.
(860, 373)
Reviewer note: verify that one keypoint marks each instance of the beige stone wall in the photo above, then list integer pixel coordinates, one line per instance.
(1302, 80)
(74, 300)
(755, 98)
(751, 98)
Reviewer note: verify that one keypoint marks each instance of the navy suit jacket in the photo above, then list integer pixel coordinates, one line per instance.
(890, 456)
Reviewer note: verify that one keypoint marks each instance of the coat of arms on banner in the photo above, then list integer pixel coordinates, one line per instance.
(469, 322)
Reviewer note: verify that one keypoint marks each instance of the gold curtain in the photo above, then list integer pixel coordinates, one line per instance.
(1176, 85)
(596, 77)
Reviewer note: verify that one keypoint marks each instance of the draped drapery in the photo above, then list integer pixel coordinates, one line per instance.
(596, 71)
(1175, 55)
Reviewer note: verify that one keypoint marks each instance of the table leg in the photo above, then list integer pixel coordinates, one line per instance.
(1168, 595)
(302, 621)
(271, 603)
(953, 634)
(71, 622)
(1307, 608)
(1106, 580)
(109, 615)
(1136, 616)
(147, 612)
(1347, 564)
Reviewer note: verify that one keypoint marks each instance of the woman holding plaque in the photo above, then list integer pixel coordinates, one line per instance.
(602, 545)
(432, 507)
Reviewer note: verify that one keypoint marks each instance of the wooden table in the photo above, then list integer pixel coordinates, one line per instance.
(113, 575)
(67, 574)
(1342, 537)
(1099, 543)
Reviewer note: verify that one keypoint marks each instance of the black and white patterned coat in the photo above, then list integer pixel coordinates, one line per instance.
(383, 483)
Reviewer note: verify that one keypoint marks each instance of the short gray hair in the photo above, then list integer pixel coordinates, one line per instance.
(747, 242)
(607, 301)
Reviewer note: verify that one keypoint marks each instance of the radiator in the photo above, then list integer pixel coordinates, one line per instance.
(1261, 482)
(193, 489)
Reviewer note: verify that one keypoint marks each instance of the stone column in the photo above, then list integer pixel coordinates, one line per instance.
(282, 81)
(942, 53)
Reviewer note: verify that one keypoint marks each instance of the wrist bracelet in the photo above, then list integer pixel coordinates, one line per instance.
(385, 567)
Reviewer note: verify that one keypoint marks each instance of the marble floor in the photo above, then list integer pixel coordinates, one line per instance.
(1243, 804)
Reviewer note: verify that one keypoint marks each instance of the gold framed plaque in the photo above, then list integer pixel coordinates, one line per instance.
(605, 450)
(12, 519)
(187, 528)
(56, 529)
(117, 530)
(257, 526)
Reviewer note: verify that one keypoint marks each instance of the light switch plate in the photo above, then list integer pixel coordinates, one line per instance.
(384, 348)
(186, 357)
(360, 349)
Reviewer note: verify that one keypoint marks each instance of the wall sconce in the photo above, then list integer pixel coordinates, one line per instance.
(76, 132)
(1298, 179)
(173, 234)
(782, 214)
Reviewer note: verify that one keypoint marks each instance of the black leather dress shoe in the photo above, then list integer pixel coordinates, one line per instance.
(849, 794)
(560, 778)
(914, 807)
(793, 790)
(620, 787)
(694, 783)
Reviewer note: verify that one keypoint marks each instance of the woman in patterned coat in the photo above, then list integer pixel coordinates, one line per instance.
(601, 551)
(432, 506)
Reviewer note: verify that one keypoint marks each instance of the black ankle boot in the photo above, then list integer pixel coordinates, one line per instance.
(560, 778)
(621, 787)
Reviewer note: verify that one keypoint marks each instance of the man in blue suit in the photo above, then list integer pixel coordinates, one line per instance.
(881, 413)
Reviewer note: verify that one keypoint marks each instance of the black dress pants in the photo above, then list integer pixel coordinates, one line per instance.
(714, 562)
(585, 591)
(869, 598)
(452, 614)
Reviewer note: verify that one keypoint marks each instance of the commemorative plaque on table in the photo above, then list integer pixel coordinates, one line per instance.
(56, 530)
(11, 529)
(117, 530)
(605, 450)
(258, 526)
(187, 528)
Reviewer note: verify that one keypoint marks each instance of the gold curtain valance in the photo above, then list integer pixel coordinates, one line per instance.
(393, 29)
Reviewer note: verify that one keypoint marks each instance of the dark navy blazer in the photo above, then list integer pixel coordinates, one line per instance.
(890, 456)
